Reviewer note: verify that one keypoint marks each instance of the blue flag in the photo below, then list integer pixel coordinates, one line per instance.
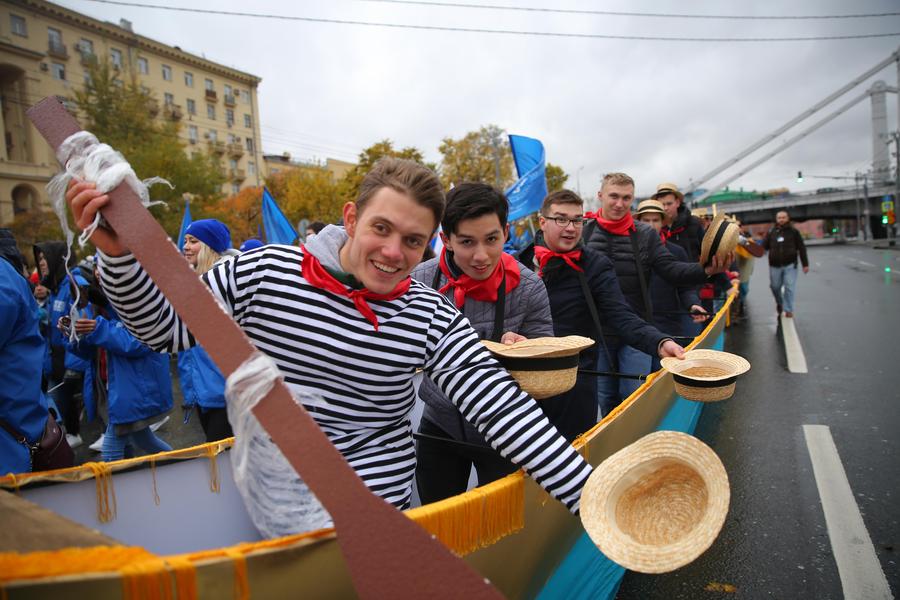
(278, 229)
(185, 223)
(525, 195)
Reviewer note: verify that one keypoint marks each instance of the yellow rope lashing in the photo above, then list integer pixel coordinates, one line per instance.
(153, 474)
(241, 584)
(96, 559)
(185, 577)
(106, 492)
(15, 481)
(146, 580)
(211, 452)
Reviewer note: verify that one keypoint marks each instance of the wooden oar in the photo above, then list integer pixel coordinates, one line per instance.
(388, 555)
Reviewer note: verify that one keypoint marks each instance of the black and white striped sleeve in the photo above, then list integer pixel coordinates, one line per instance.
(508, 418)
(144, 309)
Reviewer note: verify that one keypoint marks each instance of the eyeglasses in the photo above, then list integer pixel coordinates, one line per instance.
(564, 221)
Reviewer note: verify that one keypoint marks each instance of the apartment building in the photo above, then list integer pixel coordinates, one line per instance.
(46, 50)
(282, 163)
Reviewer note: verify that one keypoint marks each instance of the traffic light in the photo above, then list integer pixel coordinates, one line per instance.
(799, 176)
(889, 218)
(884, 219)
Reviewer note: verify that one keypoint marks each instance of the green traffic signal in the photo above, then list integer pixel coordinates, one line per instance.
(884, 219)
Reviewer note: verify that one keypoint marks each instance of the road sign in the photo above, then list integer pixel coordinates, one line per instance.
(887, 206)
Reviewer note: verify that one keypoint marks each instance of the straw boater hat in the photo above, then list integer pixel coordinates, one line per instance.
(720, 239)
(706, 375)
(668, 188)
(658, 504)
(544, 367)
(650, 206)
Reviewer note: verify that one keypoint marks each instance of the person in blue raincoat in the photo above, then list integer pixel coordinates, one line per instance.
(206, 241)
(135, 378)
(23, 407)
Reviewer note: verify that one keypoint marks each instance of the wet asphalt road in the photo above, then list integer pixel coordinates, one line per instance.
(775, 542)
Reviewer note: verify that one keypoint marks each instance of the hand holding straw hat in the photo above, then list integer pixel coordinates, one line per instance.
(657, 504)
(706, 375)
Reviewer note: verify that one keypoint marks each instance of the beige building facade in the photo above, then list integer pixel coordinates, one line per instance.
(46, 50)
(283, 163)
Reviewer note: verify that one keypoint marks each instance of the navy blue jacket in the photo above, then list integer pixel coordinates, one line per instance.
(668, 299)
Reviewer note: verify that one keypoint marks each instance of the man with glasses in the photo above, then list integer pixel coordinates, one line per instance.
(635, 251)
(585, 299)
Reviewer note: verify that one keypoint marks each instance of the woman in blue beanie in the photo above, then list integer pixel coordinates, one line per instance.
(206, 242)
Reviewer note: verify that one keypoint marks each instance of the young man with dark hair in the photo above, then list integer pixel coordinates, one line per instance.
(635, 251)
(682, 228)
(585, 300)
(503, 302)
(348, 329)
(785, 245)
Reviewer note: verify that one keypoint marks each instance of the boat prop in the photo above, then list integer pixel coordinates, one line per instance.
(706, 375)
(657, 504)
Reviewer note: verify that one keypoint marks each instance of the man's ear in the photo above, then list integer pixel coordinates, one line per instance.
(445, 239)
(350, 218)
(506, 233)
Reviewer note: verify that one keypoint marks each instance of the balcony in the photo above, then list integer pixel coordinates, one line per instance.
(57, 50)
(211, 95)
(237, 174)
(235, 150)
(216, 147)
(173, 112)
(88, 59)
(229, 100)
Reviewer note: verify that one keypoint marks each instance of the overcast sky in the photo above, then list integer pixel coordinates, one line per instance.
(658, 110)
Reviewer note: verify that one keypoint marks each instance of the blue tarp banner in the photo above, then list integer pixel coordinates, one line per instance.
(278, 229)
(525, 195)
(185, 222)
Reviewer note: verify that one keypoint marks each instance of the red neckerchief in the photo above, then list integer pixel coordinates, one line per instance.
(668, 232)
(664, 236)
(620, 227)
(484, 290)
(544, 254)
(317, 275)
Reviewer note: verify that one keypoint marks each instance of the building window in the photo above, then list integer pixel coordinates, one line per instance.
(143, 66)
(188, 79)
(209, 85)
(17, 25)
(212, 135)
(230, 138)
(115, 57)
(248, 121)
(54, 38)
(58, 70)
(245, 96)
(235, 188)
(228, 90)
(232, 163)
(167, 73)
(192, 133)
(191, 107)
(211, 111)
(169, 99)
(229, 116)
(251, 168)
(249, 144)
(86, 47)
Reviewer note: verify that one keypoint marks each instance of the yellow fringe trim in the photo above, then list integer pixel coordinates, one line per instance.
(146, 579)
(241, 584)
(185, 577)
(15, 481)
(211, 452)
(106, 512)
(96, 559)
(153, 474)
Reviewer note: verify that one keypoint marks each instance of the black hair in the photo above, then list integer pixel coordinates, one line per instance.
(470, 201)
(316, 226)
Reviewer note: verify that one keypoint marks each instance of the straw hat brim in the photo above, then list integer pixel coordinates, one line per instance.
(706, 375)
(657, 504)
(543, 367)
(720, 238)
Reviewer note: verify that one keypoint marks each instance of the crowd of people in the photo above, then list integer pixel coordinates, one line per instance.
(356, 309)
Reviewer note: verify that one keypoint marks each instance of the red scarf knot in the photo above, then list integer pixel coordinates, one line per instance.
(544, 255)
(620, 227)
(484, 290)
(317, 275)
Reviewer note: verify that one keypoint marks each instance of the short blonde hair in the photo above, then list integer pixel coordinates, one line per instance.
(617, 179)
(206, 259)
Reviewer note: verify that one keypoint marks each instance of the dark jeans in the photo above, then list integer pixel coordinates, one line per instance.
(69, 398)
(215, 423)
(442, 468)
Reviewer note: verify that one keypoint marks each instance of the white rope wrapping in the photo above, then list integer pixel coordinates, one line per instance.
(278, 502)
(85, 158)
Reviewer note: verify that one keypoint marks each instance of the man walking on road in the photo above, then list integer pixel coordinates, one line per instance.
(784, 243)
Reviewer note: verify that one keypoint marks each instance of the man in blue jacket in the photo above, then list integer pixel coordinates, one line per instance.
(23, 408)
(579, 279)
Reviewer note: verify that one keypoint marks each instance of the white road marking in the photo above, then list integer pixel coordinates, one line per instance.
(796, 360)
(861, 575)
(865, 264)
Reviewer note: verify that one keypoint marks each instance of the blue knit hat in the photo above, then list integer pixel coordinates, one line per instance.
(250, 244)
(211, 232)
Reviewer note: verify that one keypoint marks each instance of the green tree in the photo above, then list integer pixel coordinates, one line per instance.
(476, 157)
(556, 177)
(122, 114)
(349, 185)
(308, 193)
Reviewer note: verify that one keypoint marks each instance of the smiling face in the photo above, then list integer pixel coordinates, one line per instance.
(615, 200)
(191, 249)
(387, 239)
(477, 244)
(561, 238)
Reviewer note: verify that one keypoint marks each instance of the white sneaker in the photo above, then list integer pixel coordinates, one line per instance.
(74, 440)
(159, 424)
(98, 445)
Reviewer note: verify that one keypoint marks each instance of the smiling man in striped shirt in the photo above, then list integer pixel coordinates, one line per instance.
(342, 319)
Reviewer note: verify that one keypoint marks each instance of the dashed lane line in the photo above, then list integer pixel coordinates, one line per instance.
(862, 577)
(796, 360)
